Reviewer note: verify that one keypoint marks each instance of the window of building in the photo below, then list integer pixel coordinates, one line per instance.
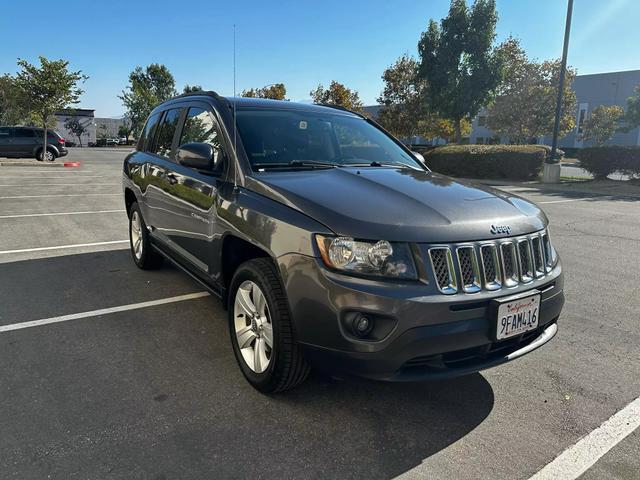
(166, 132)
(482, 120)
(581, 118)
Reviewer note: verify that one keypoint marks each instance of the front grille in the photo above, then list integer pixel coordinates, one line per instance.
(491, 265)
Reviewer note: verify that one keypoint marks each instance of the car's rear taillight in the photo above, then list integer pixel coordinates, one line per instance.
(61, 141)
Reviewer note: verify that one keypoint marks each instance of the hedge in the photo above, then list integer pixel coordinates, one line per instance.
(603, 161)
(513, 162)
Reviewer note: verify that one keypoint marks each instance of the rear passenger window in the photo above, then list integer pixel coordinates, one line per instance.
(144, 143)
(23, 133)
(4, 132)
(166, 132)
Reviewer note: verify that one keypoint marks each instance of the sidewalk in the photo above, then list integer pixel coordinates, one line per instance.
(600, 187)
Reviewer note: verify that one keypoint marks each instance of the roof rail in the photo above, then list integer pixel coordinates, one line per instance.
(208, 93)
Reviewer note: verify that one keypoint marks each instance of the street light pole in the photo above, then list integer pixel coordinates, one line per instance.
(552, 166)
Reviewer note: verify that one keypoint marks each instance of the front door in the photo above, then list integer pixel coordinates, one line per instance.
(188, 224)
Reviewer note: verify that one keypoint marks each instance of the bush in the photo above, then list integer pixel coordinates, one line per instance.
(513, 162)
(603, 161)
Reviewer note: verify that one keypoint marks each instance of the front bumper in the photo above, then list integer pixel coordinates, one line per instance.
(432, 335)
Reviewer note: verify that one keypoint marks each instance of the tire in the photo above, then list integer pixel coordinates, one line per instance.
(144, 256)
(50, 156)
(286, 366)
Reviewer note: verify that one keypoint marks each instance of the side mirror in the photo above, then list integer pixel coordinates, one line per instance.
(200, 156)
(419, 157)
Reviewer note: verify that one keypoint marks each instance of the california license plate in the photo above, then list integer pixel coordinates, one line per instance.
(517, 315)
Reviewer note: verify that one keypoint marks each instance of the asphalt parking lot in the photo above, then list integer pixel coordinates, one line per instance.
(153, 391)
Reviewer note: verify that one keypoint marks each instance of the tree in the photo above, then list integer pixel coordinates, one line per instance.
(191, 89)
(601, 124)
(459, 63)
(12, 105)
(525, 104)
(77, 128)
(337, 94)
(632, 117)
(47, 89)
(402, 98)
(277, 91)
(124, 129)
(147, 88)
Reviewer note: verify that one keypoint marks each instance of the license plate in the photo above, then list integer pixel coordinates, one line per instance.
(517, 315)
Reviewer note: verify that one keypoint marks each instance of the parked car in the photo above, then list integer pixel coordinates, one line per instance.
(122, 141)
(332, 245)
(26, 142)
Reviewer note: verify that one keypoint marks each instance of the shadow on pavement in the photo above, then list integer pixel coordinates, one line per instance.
(156, 392)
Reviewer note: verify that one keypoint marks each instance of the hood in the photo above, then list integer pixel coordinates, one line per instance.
(399, 204)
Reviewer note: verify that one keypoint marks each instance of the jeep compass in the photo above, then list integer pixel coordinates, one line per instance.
(333, 246)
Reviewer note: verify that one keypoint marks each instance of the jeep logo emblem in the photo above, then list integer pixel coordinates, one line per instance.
(499, 229)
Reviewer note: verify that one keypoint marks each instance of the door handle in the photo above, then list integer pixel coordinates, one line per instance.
(172, 178)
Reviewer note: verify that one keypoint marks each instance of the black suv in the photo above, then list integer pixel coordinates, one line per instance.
(332, 245)
(26, 142)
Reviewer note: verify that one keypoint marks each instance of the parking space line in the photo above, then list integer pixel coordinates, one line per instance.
(604, 197)
(581, 456)
(62, 195)
(61, 247)
(25, 215)
(102, 311)
(61, 185)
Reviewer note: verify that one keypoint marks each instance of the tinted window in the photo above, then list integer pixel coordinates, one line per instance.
(23, 133)
(144, 143)
(4, 132)
(274, 138)
(166, 132)
(200, 126)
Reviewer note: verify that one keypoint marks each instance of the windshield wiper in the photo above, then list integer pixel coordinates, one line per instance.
(296, 164)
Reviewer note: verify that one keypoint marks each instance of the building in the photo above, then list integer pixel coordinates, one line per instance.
(591, 90)
(85, 117)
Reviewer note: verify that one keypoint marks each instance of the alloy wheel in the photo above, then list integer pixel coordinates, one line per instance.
(136, 234)
(254, 330)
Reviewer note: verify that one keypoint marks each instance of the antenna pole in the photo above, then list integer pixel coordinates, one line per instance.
(235, 126)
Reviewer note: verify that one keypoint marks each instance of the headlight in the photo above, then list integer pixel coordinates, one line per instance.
(379, 258)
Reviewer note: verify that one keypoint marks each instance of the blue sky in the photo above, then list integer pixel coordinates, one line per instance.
(301, 43)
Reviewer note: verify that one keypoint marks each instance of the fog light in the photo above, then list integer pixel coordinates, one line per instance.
(362, 326)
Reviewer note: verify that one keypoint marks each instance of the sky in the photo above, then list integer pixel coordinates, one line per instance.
(300, 43)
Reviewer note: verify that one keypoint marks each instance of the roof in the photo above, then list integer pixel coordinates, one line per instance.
(249, 102)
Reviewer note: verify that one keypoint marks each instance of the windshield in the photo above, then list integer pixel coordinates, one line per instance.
(288, 139)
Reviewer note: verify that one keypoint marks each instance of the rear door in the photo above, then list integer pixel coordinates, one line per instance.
(24, 141)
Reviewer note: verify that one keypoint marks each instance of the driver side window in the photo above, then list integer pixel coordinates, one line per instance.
(200, 126)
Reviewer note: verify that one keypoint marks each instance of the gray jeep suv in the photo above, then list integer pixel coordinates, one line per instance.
(26, 142)
(332, 245)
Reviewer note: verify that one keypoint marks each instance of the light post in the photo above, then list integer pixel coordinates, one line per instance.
(551, 173)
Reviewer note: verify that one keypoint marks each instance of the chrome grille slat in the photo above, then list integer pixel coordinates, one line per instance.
(442, 265)
(471, 267)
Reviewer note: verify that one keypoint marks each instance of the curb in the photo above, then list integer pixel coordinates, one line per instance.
(31, 164)
(71, 164)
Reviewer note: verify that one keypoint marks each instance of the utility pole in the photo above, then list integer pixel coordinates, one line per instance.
(551, 172)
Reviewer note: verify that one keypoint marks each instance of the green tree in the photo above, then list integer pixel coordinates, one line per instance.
(601, 124)
(277, 91)
(525, 104)
(47, 89)
(402, 98)
(77, 128)
(147, 88)
(337, 94)
(459, 63)
(632, 117)
(191, 89)
(12, 105)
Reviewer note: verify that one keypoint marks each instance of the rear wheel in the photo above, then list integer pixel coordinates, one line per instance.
(261, 329)
(49, 156)
(142, 252)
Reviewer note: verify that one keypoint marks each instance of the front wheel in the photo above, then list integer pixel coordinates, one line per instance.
(261, 329)
(142, 252)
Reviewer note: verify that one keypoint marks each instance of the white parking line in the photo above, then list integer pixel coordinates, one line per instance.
(61, 247)
(61, 185)
(604, 197)
(102, 311)
(578, 458)
(60, 213)
(62, 195)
